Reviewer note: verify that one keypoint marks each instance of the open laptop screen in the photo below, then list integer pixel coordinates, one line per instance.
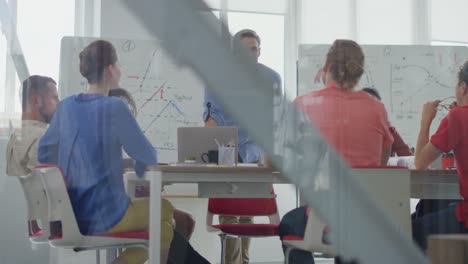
(194, 141)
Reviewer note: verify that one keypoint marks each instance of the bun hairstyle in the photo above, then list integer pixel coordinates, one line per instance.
(463, 73)
(345, 60)
(95, 58)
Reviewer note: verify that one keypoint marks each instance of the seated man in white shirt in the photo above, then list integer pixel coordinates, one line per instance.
(39, 101)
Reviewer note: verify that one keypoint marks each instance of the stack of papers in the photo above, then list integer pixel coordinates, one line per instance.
(407, 162)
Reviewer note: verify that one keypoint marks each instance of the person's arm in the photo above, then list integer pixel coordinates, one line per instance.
(399, 146)
(426, 152)
(47, 151)
(132, 138)
(386, 151)
(213, 114)
(387, 137)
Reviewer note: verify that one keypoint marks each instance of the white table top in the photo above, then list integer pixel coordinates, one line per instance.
(426, 184)
(435, 184)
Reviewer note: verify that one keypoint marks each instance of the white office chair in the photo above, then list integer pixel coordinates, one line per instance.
(387, 185)
(64, 231)
(36, 202)
(312, 240)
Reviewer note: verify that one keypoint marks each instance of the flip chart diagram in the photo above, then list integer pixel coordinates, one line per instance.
(167, 95)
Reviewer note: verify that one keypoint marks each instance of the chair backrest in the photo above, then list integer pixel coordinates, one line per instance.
(314, 235)
(242, 207)
(36, 202)
(63, 226)
(387, 185)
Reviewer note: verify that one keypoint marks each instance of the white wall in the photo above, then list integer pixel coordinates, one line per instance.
(448, 20)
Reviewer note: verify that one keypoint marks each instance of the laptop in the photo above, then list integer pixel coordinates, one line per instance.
(194, 141)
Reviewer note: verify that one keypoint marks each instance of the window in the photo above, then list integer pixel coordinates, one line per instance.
(3, 57)
(447, 20)
(325, 21)
(40, 27)
(448, 43)
(377, 21)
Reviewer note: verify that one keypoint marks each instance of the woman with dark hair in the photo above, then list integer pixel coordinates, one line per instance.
(399, 146)
(126, 97)
(85, 138)
(352, 122)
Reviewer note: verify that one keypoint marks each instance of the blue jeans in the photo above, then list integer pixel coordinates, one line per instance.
(440, 222)
(294, 223)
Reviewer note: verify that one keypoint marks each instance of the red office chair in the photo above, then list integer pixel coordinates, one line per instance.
(243, 207)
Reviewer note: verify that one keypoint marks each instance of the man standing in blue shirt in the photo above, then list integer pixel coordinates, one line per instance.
(249, 152)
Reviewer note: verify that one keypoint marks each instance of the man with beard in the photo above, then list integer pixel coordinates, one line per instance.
(39, 101)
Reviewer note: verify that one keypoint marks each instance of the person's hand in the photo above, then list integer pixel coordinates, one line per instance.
(210, 122)
(266, 162)
(429, 112)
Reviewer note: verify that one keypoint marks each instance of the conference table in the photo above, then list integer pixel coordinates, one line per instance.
(255, 182)
(213, 181)
(434, 184)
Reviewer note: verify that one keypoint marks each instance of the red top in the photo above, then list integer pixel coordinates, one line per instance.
(399, 147)
(352, 121)
(452, 134)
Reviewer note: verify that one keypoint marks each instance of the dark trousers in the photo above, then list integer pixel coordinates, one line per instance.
(441, 222)
(429, 206)
(181, 252)
(294, 223)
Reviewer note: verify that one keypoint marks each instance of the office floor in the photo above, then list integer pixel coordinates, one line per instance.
(70, 257)
(317, 261)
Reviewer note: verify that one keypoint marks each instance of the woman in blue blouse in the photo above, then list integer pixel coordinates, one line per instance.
(85, 139)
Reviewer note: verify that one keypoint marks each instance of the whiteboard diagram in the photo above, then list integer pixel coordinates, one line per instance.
(167, 96)
(406, 77)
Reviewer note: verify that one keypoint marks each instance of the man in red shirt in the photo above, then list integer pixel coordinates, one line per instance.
(452, 134)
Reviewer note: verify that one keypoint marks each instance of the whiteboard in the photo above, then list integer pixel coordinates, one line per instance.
(167, 95)
(405, 76)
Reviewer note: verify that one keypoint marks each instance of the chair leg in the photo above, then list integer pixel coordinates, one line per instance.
(98, 256)
(222, 236)
(286, 255)
(111, 255)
